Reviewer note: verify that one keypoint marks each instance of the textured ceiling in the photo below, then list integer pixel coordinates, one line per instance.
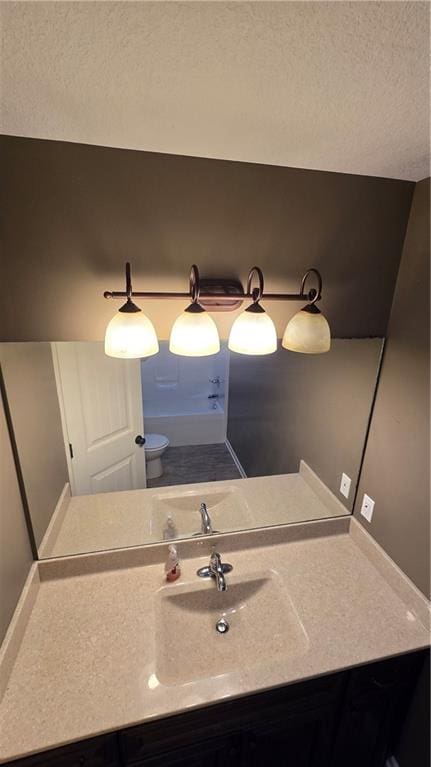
(340, 86)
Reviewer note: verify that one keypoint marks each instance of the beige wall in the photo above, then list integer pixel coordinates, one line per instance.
(28, 373)
(15, 551)
(287, 407)
(73, 214)
(397, 461)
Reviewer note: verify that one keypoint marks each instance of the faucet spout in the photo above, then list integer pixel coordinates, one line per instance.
(206, 525)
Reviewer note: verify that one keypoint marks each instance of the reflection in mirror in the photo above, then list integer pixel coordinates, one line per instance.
(117, 453)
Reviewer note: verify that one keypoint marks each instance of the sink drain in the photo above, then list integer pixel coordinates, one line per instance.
(222, 626)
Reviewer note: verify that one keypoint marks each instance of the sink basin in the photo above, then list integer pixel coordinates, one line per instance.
(263, 627)
(227, 508)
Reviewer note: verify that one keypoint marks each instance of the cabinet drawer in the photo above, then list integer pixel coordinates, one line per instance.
(216, 752)
(383, 676)
(173, 734)
(97, 752)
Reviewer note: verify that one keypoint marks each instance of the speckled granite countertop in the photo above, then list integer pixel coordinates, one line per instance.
(81, 655)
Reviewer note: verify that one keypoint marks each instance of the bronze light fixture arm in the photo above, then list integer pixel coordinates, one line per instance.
(311, 296)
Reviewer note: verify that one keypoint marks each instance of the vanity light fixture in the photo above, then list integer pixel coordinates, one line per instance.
(130, 334)
(308, 330)
(194, 333)
(253, 332)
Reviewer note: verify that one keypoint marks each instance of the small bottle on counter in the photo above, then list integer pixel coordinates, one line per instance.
(172, 566)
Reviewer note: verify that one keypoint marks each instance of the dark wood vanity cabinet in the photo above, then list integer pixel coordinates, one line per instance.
(349, 719)
(291, 725)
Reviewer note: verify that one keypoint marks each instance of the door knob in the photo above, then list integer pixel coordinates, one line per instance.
(140, 440)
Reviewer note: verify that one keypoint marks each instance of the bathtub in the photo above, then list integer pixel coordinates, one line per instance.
(194, 420)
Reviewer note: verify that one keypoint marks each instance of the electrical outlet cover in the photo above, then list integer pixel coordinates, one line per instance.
(345, 485)
(367, 507)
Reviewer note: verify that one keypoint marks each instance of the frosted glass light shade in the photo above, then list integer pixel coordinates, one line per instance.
(307, 332)
(194, 334)
(253, 332)
(130, 334)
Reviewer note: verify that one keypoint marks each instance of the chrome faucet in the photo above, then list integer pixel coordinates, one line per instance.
(216, 569)
(206, 525)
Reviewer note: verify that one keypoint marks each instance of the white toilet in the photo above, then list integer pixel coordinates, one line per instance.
(155, 446)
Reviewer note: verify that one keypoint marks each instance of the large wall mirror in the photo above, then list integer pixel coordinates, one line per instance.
(116, 453)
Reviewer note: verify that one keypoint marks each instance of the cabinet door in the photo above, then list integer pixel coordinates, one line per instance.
(376, 700)
(303, 740)
(364, 732)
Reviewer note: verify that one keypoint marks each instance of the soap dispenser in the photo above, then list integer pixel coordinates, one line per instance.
(169, 530)
(172, 566)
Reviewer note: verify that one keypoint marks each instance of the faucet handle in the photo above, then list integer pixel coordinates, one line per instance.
(215, 561)
(215, 557)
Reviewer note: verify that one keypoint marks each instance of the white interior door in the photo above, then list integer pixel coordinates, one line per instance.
(101, 402)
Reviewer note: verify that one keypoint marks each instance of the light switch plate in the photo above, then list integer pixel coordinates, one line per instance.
(345, 485)
(367, 507)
